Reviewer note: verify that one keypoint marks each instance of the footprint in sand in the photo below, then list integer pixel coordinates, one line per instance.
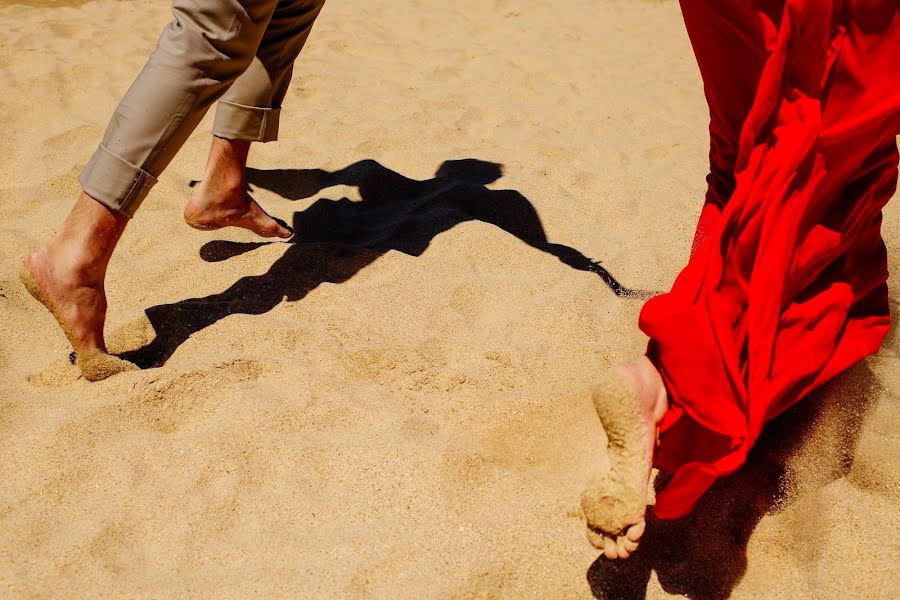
(114, 549)
(167, 404)
(59, 373)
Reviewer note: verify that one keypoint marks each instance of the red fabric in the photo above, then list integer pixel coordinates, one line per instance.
(786, 284)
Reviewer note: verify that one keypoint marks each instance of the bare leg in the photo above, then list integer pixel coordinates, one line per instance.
(630, 401)
(221, 199)
(67, 275)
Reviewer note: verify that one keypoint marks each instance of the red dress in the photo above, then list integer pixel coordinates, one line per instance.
(786, 284)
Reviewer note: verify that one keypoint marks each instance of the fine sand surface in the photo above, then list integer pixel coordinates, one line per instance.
(398, 406)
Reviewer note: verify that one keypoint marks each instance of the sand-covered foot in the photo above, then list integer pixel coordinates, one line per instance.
(80, 309)
(211, 209)
(630, 402)
(97, 366)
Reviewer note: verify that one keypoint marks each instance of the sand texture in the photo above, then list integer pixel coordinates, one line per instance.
(398, 405)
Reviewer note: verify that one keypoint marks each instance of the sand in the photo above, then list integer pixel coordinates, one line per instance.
(399, 406)
(614, 502)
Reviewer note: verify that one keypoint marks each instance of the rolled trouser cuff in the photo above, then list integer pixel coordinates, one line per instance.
(115, 183)
(250, 123)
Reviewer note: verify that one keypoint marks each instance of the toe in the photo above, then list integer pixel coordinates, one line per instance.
(97, 366)
(635, 532)
(609, 548)
(267, 226)
(620, 547)
(629, 545)
(596, 539)
(273, 230)
(284, 233)
(262, 224)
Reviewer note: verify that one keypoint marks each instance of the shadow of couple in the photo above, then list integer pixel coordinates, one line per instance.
(335, 239)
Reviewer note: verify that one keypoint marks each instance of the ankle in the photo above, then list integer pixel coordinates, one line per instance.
(226, 166)
(650, 387)
(656, 387)
(215, 197)
(81, 250)
(71, 263)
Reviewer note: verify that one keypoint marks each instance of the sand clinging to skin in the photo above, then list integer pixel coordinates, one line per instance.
(94, 365)
(614, 501)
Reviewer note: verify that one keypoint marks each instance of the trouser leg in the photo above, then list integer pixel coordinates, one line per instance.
(251, 108)
(200, 54)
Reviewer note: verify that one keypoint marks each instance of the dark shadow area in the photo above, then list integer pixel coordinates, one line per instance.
(890, 343)
(704, 555)
(335, 239)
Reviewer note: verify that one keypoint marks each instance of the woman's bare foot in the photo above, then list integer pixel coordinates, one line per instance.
(67, 276)
(630, 402)
(221, 199)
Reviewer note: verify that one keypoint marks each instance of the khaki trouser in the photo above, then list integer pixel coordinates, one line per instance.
(239, 52)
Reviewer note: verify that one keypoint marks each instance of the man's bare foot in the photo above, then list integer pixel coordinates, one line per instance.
(208, 210)
(630, 402)
(67, 275)
(221, 199)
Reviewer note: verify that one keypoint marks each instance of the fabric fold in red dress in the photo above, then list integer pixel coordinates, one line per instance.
(786, 284)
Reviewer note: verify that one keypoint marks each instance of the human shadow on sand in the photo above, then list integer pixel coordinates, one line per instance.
(335, 239)
(704, 555)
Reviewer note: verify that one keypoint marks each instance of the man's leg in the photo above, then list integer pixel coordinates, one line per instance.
(67, 275)
(249, 112)
(199, 55)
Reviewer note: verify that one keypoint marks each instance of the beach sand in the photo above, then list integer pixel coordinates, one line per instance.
(398, 406)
